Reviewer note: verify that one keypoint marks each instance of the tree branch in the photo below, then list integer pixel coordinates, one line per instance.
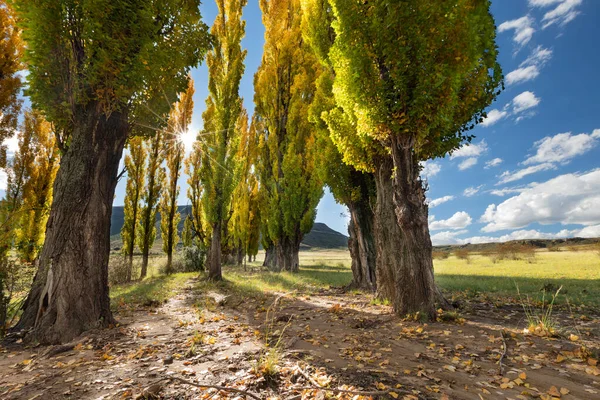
(203, 386)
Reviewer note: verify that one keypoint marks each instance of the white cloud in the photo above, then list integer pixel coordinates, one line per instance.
(471, 191)
(506, 191)
(470, 150)
(467, 163)
(459, 220)
(446, 237)
(12, 143)
(493, 163)
(440, 200)
(522, 74)
(562, 147)
(564, 12)
(522, 27)
(539, 57)
(525, 101)
(3, 179)
(493, 116)
(430, 169)
(511, 176)
(542, 3)
(565, 199)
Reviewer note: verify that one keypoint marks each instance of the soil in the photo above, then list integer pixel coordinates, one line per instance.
(331, 339)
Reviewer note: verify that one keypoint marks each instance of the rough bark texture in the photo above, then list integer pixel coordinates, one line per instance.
(144, 268)
(286, 255)
(214, 254)
(69, 294)
(362, 245)
(404, 264)
(269, 257)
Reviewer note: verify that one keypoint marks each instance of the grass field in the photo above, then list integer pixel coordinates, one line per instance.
(578, 272)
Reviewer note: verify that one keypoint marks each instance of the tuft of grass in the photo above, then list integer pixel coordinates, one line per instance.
(376, 301)
(541, 322)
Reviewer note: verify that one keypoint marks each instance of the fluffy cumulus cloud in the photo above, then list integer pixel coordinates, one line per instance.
(446, 237)
(493, 116)
(12, 144)
(522, 74)
(470, 150)
(430, 169)
(493, 163)
(565, 199)
(523, 29)
(525, 101)
(467, 163)
(3, 179)
(440, 200)
(459, 220)
(563, 147)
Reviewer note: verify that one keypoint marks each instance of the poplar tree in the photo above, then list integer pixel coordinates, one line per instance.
(349, 186)
(194, 193)
(179, 121)
(11, 49)
(244, 220)
(40, 160)
(225, 63)
(410, 79)
(99, 71)
(155, 180)
(135, 164)
(284, 86)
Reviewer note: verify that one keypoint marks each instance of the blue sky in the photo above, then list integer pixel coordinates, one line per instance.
(533, 169)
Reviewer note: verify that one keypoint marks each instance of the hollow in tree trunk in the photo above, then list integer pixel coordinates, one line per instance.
(214, 254)
(69, 294)
(361, 244)
(404, 264)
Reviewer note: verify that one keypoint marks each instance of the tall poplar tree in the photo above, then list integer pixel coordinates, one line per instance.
(284, 86)
(410, 79)
(41, 165)
(99, 70)
(194, 193)
(155, 180)
(179, 122)
(135, 164)
(349, 186)
(11, 49)
(225, 63)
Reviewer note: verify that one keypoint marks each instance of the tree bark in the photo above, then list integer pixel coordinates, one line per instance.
(69, 294)
(362, 245)
(286, 255)
(214, 254)
(144, 268)
(404, 263)
(269, 260)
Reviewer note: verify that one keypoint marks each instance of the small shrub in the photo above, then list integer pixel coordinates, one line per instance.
(554, 249)
(463, 254)
(15, 281)
(193, 258)
(440, 255)
(541, 322)
(516, 251)
(117, 270)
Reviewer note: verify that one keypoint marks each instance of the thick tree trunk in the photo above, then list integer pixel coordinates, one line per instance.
(404, 264)
(69, 294)
(240, 255)
(362, 245)
(269, 260)
(286, 255)
(214, 254)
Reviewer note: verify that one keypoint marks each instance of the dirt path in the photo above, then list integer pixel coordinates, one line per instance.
(334, 339)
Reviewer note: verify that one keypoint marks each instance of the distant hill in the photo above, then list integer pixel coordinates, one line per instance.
(539, 243)
(321, 236)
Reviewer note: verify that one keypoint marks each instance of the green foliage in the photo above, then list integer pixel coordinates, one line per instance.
(11, 48)
(155, 178)
(125, 55)
(218, 140)
(421, 71)
(135, 163)
(193, 258)
(290, 187)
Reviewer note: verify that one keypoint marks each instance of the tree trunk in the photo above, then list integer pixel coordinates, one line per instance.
(362, 245)
(214, 254)
(269, 261)
(286, 255)
(404, 264)
(129, 266)
(69, 294)
(144, 268)
(240, 256)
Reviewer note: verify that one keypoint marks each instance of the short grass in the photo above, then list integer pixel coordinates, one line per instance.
(577, 272)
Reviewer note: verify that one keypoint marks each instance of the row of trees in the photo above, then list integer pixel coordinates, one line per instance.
(350, 94)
